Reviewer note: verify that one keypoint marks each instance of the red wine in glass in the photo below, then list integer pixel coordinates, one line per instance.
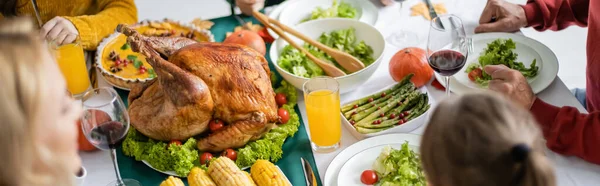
(108, 135)
(447, 62)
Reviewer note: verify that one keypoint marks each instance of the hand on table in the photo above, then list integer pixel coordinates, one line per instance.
(510, 83)
(501, 16)
(247, 6)
(60, 30)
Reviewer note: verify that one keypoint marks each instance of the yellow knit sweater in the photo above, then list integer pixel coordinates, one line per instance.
(94, 19)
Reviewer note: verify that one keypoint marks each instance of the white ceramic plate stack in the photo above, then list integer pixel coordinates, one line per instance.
(348, 165)
(527, 49)
(292, 12)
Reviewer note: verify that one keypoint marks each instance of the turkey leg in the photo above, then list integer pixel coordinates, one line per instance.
(164, 45)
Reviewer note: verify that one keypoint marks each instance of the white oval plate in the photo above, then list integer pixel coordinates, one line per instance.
(299, 10)
(527, 49)
(274, 14)
(349, 164)
(171, 173)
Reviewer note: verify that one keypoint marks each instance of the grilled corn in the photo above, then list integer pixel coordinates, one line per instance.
(199, 177)
(225, 173)
(266, 174)
(172, 181)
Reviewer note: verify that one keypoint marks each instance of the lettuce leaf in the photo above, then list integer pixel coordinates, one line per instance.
(399, 167)
(342, 9)
(500, 52)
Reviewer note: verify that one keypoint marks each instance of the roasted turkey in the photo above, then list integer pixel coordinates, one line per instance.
(201, 82)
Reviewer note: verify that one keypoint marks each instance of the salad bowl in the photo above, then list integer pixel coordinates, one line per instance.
(313, 29)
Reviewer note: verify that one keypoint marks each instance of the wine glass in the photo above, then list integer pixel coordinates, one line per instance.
(105, 122)
(447, 47)
(403, 38)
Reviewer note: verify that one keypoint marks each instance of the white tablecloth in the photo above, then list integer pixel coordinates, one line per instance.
(570, 170)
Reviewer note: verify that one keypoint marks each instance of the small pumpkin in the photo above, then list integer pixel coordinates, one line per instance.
(411, 60)
(248, 38)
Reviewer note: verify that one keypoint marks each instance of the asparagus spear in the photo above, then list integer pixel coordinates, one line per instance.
(412, 98)
(423, 108)
(365, 100)
(378, 112)
(401, 90)
(367, 131)
(392, 122)
(359, 116)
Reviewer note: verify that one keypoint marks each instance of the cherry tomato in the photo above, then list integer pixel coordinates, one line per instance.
(205, 158)
(368, 177)
(176, 142)
(230, 153)
(215, 125)
(474, 74)
(280, 99)
(284, 115)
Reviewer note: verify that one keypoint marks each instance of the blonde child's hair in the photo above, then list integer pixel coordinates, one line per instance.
(21, 89)
(484, 139)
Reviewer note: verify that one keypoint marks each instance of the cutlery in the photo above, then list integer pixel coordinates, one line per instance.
(37, 12)
(309, 175)
(432, 13)
(349, 62)
(329, 69)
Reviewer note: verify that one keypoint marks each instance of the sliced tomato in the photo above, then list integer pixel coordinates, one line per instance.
(215, 125)
(368, 177)
(284, 115)
(230, 153)
(280, 99)
(205, 158)
(475, 73)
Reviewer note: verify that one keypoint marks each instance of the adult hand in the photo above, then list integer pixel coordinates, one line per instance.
(510, 83)
(248, 6)
(60, 30)
(501, 16)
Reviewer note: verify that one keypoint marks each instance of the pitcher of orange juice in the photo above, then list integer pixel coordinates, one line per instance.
(322, 99)
(71, 61)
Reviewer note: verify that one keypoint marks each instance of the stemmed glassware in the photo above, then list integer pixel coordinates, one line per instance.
(105, 123)
(447, 47)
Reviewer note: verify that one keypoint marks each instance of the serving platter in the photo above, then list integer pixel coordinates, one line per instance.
(527, 49)
(346, 167)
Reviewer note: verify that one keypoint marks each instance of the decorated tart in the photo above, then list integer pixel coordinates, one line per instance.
(123, 68)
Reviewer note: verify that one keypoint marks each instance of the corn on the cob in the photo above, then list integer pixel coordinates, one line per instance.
(225, 173)
(266, 174)
(250, 177)
(172, 181)
(199, 177)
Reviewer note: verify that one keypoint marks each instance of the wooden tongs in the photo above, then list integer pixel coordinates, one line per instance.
(347, 61)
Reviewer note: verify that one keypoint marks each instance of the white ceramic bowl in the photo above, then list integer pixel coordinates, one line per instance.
(404, 128)
(314, 29)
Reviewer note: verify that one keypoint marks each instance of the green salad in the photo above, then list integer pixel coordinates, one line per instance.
(182, 158)
(295, 62)
(399, 167)
(500, 52)
(342, 10)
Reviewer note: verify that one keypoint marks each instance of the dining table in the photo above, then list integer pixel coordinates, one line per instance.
(569, 170)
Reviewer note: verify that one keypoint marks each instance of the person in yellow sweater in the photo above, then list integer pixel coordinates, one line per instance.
(65, 20)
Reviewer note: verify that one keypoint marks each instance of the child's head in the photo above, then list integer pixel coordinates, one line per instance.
(483, 139)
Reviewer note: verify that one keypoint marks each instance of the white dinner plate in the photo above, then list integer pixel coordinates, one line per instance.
(299, 10)
(348, 165)
(527, 49)
(170, 173)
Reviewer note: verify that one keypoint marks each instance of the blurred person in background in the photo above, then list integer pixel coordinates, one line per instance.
(37, 132)
(499, 145)
(566, 130)
(65, 20)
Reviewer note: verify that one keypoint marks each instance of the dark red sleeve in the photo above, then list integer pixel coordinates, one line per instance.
(556, 14)
(569, 132)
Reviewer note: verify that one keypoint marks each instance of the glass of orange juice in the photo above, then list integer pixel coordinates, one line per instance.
(71, 61)
(322, 98)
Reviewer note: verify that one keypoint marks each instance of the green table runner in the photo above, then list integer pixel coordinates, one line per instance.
(293, 148)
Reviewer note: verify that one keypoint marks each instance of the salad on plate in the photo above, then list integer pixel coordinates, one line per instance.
(395, 167)
(499, 52)
(341, 10)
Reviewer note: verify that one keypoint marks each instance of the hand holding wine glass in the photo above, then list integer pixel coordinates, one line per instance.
(447, 47)
(105, 123)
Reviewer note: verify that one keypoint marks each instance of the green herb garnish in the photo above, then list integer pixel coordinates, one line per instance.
(125, 46)
(152, 73)
(132, 57)
(137, 63)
